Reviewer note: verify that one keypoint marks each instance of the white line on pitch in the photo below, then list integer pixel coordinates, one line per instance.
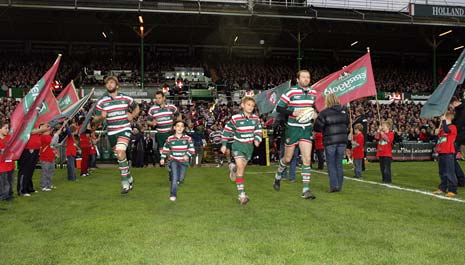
(390, 186)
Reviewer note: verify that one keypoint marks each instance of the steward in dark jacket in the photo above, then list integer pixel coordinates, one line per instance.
(333, 122)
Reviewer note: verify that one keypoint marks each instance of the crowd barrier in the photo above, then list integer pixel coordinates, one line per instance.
(408, 151)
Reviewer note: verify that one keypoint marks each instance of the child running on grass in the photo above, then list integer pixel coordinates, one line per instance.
(446, 151)
(179, 148)
(246, 130)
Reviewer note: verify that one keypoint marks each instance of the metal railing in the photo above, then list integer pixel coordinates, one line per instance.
(375, 5)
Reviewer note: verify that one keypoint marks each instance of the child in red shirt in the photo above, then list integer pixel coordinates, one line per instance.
(85, 144)
(358, 151)
(7, 168)
(319, 149)
(47, 158)
(446, 151)
(385, 139)
(71, 151)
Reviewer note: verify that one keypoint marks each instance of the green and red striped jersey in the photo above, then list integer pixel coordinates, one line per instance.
(176, 148)
(117, 109)
(297, 98)
(242, 129)
(163, 116)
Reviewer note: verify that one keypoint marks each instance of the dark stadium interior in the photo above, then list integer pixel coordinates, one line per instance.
(57, 25)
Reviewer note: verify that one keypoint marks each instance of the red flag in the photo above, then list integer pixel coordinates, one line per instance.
(49, 108)
(350, 83)
(68, 96)
(25, 114)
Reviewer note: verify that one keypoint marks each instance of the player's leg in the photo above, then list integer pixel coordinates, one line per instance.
(305, 147)
(231, 163)
(241, 163)
(122, 142)
(174, 167)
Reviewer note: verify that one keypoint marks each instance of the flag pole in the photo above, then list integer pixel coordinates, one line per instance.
(376, 96)
(350, 116)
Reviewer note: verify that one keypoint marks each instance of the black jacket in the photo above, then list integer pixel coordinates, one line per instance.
(334, 123)
(362, 120)
(459, 121)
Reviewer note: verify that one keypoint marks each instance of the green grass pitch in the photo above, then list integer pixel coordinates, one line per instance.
(89, 222)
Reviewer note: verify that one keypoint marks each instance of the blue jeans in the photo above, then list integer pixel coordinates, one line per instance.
(334, 155)
(385, 167)
(458, 170)
(93, 161)
(358, 166)
(447, 173)
(292, 165)
(71, 168)
(178, 173)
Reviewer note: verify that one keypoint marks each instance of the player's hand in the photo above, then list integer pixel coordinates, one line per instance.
(130, 116)
(223, 149)
(186, 158)
(257, 143)
(296, 113)
(104, 114)
(162, 162)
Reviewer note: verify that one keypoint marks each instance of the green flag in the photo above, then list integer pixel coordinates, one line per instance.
(25, 115)
(439, 101)
(267, 100)
(70, 112)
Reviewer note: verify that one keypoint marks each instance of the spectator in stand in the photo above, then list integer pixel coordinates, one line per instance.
(138, 151)
(198, 137)
(423, 136)
(215, 139)
(149, 150)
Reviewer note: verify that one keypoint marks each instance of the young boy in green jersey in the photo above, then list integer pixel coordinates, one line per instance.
(245, 129)
(179, 148)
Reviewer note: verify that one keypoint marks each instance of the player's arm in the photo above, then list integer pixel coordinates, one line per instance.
(38, 130)
(227, 134)
(164, 153)
(99, 115)
(135, 112)
(283, 106)
(258, 134)
(150, 120)
(190, 149)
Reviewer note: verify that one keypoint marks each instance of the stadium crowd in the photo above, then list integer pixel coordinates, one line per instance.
(21, 71)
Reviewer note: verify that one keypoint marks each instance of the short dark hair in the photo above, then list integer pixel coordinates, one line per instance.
(159, 92)
(302, 71)
(179, 121)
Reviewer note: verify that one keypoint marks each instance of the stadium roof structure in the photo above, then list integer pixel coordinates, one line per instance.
(239, 23)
